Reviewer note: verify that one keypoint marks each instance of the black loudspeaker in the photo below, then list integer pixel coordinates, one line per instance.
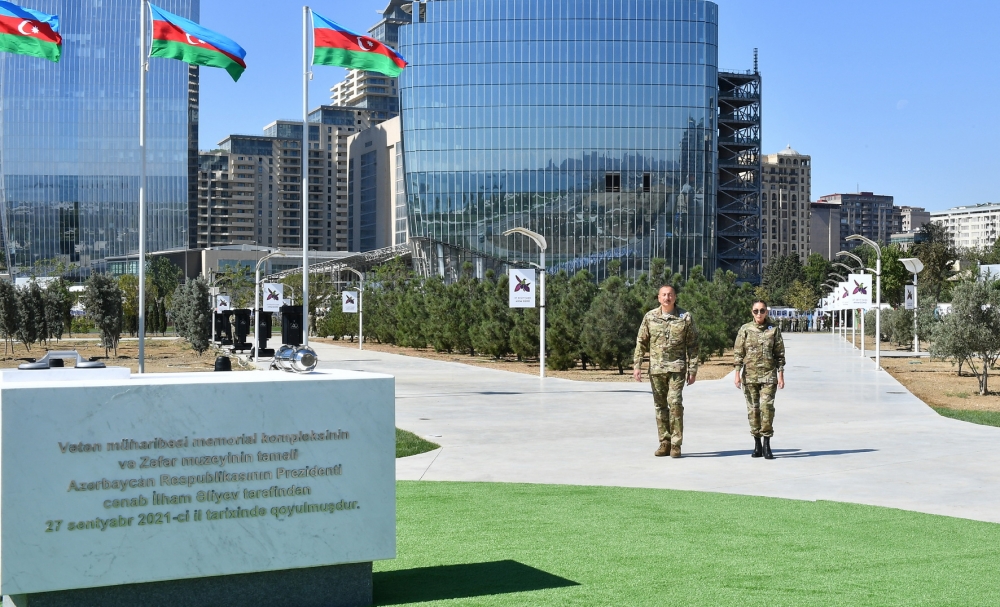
(241, 328)
(291, 325)
(219, 320)
(264, 320)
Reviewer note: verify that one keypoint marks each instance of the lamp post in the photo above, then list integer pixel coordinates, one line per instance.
(863, 269)
(833, 289)
(843, 314)
(914, 266)
(878, 294)
(256, 302)
(850, 271)
(361, 295)
(542, 245)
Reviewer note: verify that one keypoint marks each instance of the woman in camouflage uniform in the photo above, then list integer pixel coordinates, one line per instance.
(759, 356)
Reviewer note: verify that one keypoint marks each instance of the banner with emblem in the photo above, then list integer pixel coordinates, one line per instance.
(272, 294)
(349, 302)
(223, 303)
(860, 288)
(521, 289)
(911, 297)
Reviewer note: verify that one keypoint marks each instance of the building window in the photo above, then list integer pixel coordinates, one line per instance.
(612, 182)
(646, 181)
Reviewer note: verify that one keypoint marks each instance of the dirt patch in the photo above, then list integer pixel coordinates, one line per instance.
(162, 355)
(714, 368)
(936, 381)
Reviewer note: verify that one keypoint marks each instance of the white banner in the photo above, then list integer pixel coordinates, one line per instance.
(349, 302)
(860, 286)
(271, 295)
(223, 303)
(844, 296)
(521, 289)
(911, 297)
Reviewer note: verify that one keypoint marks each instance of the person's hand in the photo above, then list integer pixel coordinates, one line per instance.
(637, 374)
(781, 381)
(736, 380)
(691, 379)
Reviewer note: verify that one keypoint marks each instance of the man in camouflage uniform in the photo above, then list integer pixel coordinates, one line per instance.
(668, 334)
(759, 356)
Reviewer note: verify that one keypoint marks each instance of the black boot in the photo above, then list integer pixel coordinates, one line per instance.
(757, 449)
(767, 448)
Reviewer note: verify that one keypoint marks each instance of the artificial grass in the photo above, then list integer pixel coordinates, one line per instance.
(539, 545)
(408, 443)
(985, 418)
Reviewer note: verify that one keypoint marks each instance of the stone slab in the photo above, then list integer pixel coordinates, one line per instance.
(254, 472)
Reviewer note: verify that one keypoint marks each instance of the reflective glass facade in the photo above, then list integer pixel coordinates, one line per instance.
(591, 122)
(69, 140)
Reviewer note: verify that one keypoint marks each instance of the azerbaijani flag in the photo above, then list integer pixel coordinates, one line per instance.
(334, 45)
(27, 32)
(175, 37)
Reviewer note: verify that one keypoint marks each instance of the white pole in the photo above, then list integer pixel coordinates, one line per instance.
(256, 315)
(916, 339)
(541, 318)
(361, 313)
(143, 66)
(854, 324)
(305, 175)
(878, 309)
(862, 332)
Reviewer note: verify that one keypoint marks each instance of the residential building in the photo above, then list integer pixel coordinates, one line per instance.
(971, 226)
(871, 215)
(912, 219)
(608, 153)
(374, 92)
(824, 229)
(377, 198)
(785, 210)
(262, 176)
(69, 146)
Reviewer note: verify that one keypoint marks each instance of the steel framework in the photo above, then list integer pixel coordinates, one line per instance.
(739, 183)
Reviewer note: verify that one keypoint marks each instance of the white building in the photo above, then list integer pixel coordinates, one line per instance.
(971, 226)
(376, 192)
(785, 212)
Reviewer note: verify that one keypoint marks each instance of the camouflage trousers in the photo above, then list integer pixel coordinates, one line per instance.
(669, 402)
(760, 408)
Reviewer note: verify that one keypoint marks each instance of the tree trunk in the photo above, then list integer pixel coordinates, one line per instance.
(983, 385)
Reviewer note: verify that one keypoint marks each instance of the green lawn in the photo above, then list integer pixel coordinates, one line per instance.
(986, 418)
(408, 443)
(538, 545)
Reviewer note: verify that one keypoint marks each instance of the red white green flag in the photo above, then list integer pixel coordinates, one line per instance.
(27, 32)
(336, 45)
(175, 37)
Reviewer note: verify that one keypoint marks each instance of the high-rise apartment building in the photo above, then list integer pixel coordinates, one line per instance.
(374, 92)
(824, 229)
(377, 216)
(912, 219)
(871, 215)
(786, 191)
(69, 146)
(266, 172)
(590, 122)
(971, 225)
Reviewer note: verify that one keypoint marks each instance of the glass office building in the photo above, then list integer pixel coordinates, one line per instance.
(69, 141)
(591, 122)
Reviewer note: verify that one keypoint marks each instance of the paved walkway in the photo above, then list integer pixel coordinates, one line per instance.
(844, 432)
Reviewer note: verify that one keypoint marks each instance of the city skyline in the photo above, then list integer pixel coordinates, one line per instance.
(866, 90)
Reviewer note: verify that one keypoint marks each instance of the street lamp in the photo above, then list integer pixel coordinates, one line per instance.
(862, 269)
(361, 295)
(915, 266)
(542, 245)
(256, 301)
(878, 294)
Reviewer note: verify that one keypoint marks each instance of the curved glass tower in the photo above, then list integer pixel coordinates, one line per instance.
(69, 140)
(591, 122)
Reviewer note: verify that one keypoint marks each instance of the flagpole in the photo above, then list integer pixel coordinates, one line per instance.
(143, 66)
(305, 175)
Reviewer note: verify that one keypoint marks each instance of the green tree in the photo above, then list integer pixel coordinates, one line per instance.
(103, 300)
(440, 327)
(894, 273)
(129, 284)
(524, 339)
(816, 271)
(9, 314)
(338, 324)
(491, 335)
(321, 295)
(465, 303)
(611, 324)
(29, 309)
(192, 313)
(802, 296)
(933, 246)
(383, 291)
(237, 281)
(411, 314)
(971, 332)
(564, 316)
(57, 305)
(779, 275)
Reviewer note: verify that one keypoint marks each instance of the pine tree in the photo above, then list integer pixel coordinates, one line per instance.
(411, 315)
(524, 339)
(611, 324)
(491, 335)
(56, 296)
(439, 325)
(103, 300)
(566, 320)
(27, 323)
(9, 314)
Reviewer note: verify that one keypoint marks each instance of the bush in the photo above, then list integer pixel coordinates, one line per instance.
(103, 300)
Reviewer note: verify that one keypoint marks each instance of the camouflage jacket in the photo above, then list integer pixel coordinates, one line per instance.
(760, 352)
(670, 339)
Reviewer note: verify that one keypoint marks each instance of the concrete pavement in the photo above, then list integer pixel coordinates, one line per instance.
(843, 432)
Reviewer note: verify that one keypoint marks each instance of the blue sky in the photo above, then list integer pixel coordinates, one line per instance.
(890, 97)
